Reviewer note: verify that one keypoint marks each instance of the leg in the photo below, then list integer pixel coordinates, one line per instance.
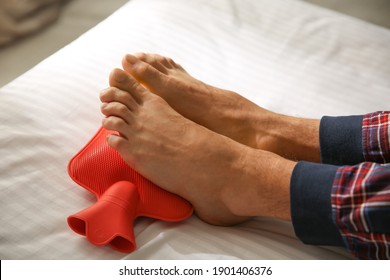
(223, 111)
(226, 182)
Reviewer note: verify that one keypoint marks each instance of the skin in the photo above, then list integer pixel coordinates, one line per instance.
(224, 111)
(212, 147)
(226, 182)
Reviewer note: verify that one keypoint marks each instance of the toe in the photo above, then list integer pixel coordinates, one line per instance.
(117, 124)
(118, 143)
(118, 110)
(158, 59)
(123, 81)
(154, 61)
(145, 73)
(113, 94)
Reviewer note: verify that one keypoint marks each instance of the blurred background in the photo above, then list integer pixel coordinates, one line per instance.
(31, 30)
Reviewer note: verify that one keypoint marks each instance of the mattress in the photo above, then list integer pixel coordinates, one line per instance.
(287, 56)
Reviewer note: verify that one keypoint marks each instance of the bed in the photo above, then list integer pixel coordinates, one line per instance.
(287, 56)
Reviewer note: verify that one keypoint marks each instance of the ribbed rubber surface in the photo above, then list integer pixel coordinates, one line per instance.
(98, 167)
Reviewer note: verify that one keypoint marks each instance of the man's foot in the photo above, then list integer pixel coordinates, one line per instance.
(220, 177)
(223, 111)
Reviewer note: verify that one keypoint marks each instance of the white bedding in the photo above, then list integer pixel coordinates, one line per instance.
(285, 55)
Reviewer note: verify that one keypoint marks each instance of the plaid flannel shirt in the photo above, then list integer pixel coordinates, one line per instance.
(361, 193)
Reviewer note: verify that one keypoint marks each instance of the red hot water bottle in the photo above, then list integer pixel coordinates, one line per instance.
(122, 195)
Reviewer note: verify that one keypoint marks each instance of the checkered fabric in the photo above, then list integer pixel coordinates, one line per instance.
(376, 133)
(361, 194)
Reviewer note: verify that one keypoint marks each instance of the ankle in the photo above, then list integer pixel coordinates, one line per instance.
(263, 188)
(292, 137)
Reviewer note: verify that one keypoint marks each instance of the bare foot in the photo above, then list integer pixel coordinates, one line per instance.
(226, 182)
(223, 111)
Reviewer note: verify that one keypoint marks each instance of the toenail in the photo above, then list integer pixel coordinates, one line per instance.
(103, 93)
(131, 59)
(140, 55)
(120, 77)
(103, 105)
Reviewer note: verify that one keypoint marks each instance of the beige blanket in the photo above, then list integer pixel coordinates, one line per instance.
(21, 17)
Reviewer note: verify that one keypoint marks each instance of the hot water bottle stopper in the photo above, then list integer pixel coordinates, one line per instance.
(122, 196)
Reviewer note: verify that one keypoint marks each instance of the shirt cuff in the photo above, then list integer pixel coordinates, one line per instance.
(311, 210)
(341, 140)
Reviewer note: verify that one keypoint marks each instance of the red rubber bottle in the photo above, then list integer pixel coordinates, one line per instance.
(122, 196)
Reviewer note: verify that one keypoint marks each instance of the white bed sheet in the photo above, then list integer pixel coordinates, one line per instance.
(285, 55)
